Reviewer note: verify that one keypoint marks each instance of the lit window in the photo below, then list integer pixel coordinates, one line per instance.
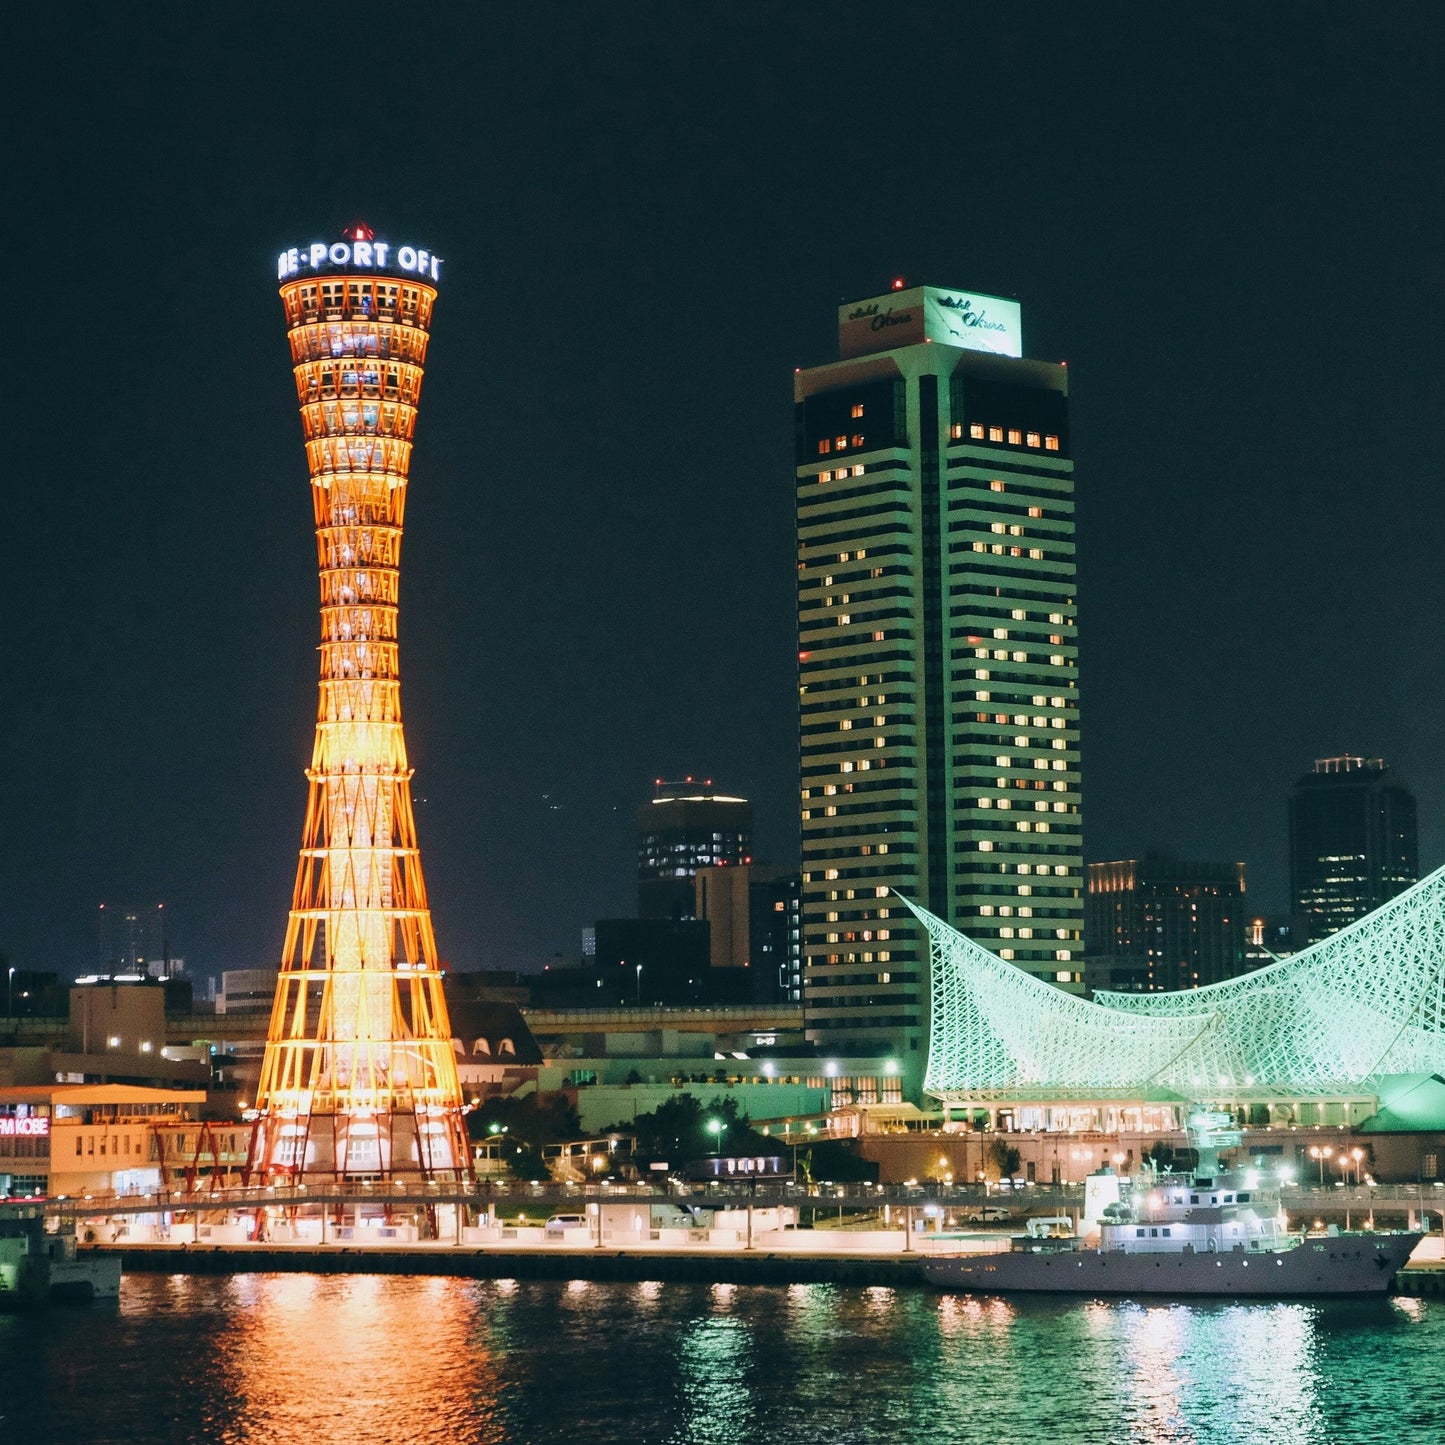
(995, 486)
(1015, 437)
(857, 439)
(857, 409)
(975, 430)
(1037, 553)
(956, 431)
(824, 447)
(858, 470)
(1036, 511)
(846, 725)
(997, 527)
(1051, 444)
(840, 442)
(878, 637)
(1034, 439)
(995, 433)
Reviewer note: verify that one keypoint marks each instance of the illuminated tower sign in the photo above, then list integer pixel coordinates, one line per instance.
(359, 1078)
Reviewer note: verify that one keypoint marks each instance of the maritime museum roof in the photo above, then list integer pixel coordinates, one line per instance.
(1329, 1022)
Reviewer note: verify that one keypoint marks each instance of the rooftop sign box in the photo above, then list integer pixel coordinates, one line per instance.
(358, 255)
(965, 319)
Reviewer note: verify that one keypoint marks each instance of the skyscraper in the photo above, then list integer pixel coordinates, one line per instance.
(937, 660)
(686, 826)
(1352, 841)
(359, 1078)
(1156, 923)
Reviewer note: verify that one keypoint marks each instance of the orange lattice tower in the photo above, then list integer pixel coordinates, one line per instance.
(359, 1079)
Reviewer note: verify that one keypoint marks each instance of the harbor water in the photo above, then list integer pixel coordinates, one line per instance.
(309, 1360)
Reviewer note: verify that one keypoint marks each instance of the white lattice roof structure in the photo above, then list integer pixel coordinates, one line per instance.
(1324, 1023)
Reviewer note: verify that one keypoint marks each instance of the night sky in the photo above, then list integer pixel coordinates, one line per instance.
(1229, 225)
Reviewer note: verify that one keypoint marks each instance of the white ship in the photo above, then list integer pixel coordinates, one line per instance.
(38, 1266)
(1214, 1232)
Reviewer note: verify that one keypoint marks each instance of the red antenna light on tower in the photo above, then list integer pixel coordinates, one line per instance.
(358, 231)
(898, 283)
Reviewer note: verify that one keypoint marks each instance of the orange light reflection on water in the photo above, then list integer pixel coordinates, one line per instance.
(316, 1358)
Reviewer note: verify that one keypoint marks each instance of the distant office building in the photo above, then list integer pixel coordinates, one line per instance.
(754, 914)
(1268, 938)
(937, 661)
(246, 991)
(132, 941)
(1352, 841)
(1155, 923)
(685, 827)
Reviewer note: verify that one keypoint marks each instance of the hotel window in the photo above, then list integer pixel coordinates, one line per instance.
(975, 430)
(1015, 437)
(956, 431)
(857, 439)
(857, 409)
(1036, 511)
(995, 433)
(824, 447)
(1051, 444)
(840, 442)
(995, 486)
(858, 470)
(1034, 439)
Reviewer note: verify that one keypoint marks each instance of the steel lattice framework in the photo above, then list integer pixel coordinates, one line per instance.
(1366, 1002)
(359, 1076)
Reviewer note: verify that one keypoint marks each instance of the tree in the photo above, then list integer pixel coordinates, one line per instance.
(838, 1161)
(533, 1119)
(678, 1129)
(1001, 1160)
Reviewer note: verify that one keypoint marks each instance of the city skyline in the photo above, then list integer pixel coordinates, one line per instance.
(600, 581)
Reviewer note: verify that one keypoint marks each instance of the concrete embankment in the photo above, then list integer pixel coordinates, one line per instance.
(693, 1266)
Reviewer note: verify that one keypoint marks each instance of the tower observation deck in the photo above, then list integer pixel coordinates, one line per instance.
(359, 1078)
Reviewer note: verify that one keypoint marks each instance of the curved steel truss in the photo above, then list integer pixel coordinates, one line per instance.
(1365, 1002)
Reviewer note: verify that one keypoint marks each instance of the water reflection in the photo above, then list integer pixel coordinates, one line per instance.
(714, 1370)
(294, 1358)
(355, 1358)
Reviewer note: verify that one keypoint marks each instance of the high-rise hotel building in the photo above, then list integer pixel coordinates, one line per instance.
(938, 664)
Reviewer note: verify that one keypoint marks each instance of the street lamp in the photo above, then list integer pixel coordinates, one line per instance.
(10, 993)
(715, 1127)
(1320, 1155)
(639, 985)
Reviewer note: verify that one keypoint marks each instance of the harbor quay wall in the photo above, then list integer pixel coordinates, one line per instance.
(1422, 1278)
(690, 1266)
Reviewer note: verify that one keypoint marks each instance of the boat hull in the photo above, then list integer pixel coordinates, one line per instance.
(1346, 1264)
